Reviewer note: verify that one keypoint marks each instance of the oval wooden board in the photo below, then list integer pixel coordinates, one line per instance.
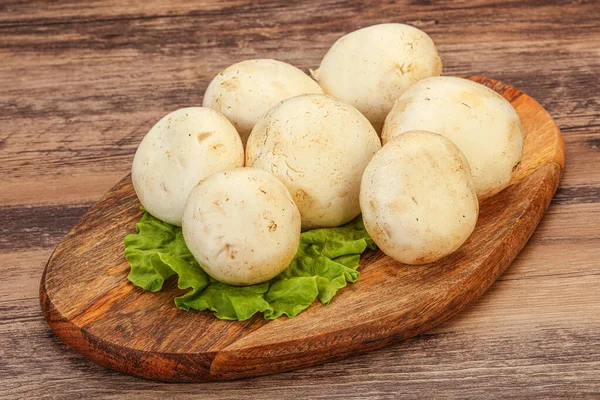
(89, 303)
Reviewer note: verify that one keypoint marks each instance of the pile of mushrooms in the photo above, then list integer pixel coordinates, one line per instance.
(274, 151)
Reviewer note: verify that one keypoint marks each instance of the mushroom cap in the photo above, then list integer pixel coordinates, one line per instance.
(318, 146)
(417, 198)
(242, 226)
(371, 67)
(182, 148)
(244, 91)
(482, 123)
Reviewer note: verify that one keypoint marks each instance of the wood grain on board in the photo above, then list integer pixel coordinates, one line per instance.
(103, 316)
(81, 83)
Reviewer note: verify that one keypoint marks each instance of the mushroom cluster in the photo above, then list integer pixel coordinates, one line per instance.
(274, 151)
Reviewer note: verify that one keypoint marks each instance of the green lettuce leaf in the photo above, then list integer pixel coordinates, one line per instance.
(326, 261)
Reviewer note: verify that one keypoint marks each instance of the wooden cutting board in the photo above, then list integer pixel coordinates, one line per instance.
(88, 302)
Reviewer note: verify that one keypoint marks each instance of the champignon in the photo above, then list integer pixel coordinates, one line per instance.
(242, 226)
(482, 123)
(181, 149)
(318, 147)
(417, 198)
(371, 67)
(243, 92)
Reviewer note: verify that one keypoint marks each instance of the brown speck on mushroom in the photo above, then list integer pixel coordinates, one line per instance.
(272, 226)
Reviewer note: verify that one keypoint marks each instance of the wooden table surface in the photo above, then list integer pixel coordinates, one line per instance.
(82, 82)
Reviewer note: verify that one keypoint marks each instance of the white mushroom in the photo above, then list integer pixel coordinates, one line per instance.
(318, 147)
(482, 123)
(371, 67)
(181, 149)
(243, 92)
(242, 226)
(417, 198)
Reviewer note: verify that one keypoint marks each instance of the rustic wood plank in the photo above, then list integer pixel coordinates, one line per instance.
(80, 83)
(460, 360)
(43, 12)
(536, 260)
(47, 143)
(44, 227)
